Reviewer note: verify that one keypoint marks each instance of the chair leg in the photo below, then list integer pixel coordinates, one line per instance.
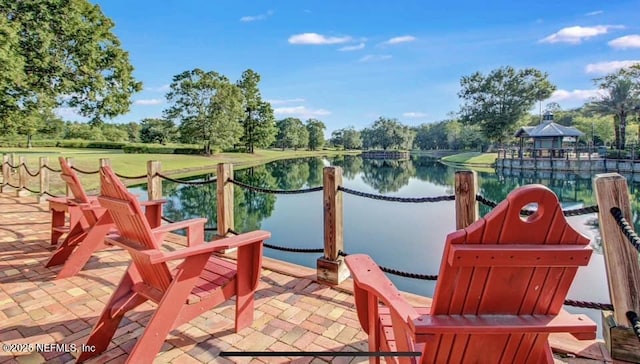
(249, 269)
(107, 324)
(169, 308)
(92, 242)
(57, 222)
(64, 250)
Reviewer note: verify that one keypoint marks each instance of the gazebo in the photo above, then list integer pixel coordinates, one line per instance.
(550, 140)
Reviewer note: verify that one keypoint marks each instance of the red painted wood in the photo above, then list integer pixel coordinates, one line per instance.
(500, 291)
(201, 282)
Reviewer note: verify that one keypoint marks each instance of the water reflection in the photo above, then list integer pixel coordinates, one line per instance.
(403, 236)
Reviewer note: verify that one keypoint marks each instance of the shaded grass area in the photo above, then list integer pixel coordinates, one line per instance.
(472, 158)
(132, 165)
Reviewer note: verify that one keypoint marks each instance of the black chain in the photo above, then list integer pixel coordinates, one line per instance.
(10, 185)
(275, 192)
(29, 172)
(293, 250)
(12, 166)
(193, 183)
(131, 177)
(50, 195)
(574, 212)
(397, 199)
(633, 238)
(83, 171)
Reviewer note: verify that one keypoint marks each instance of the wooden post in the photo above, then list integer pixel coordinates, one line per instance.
(331, 268)
(22, 177)
(44, 179)
(225, 198)
(154, 182)
(106, 162)
(466, 205)
(6, 172)
(623, 269)
(66, 186)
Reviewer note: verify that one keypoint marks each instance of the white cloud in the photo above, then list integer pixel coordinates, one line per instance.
(301, 112)
(250, 18)
(574, 95)
(163, 88)
(592, 13)
(628, 41)
(284, 101)
(609, 67)
(148, 102)
(356, 47)
(414, 115)
(401, 39)
(375, 57)
(317, 39)
(576, 34)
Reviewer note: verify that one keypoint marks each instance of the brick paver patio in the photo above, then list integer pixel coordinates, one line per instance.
(293, 312)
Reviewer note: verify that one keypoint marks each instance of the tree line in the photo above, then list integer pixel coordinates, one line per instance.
(63, 54)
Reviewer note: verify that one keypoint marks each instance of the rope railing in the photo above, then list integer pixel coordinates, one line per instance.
(272, 191)
(628, 232)
(573, 212)
(32, 191)
(397, 199)
(83, 171)
(184, 182)
(635, 322)
(54, 170)
(131, 177)
(32, 174)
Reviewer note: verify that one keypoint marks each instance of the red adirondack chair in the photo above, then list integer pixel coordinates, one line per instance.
(88, 224)
(200, 282)
(499, 294)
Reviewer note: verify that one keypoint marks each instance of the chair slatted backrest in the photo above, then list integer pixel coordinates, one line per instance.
(513, 290)
(70, 177)
(133, 227)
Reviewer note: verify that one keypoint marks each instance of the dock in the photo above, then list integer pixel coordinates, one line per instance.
(294, 313)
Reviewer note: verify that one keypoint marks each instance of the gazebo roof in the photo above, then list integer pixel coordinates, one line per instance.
(548, 129)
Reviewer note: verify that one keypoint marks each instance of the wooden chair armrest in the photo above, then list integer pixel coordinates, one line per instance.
(366, 273)
(178, 225)
(253, 237)
(153, 202)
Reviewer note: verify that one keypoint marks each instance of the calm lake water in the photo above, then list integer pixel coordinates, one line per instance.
(404, 236)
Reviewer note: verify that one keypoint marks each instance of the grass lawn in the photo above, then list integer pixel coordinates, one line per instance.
(136, 164)
(472, 158)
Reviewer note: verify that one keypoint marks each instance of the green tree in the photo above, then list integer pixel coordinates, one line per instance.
(76, 130)
(113, 133)
(66, 55)
(290, 133)
(621, 97)
(316, 130)
(347, 138)
(133, 131)
(154, 130)
(258, 121)
(208, 108)
(498, 100)
(388, 134)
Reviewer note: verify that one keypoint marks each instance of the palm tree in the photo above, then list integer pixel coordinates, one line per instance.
(620, 99)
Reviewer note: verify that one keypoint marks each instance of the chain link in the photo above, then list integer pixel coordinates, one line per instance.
(275, 192)
(397, 199)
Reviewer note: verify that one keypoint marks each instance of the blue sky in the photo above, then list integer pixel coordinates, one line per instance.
(348, 62)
